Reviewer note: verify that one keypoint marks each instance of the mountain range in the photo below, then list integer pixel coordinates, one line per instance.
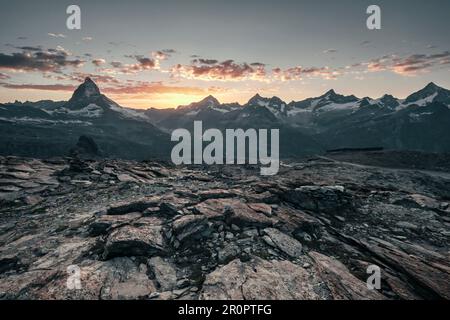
(51, 128)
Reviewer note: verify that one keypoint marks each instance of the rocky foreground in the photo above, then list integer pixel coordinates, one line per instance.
(149, 230)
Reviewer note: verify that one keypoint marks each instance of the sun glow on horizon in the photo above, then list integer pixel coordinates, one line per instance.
(163, 101)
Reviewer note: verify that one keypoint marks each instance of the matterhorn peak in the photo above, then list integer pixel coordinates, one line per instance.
(86, 92)
(87, 89)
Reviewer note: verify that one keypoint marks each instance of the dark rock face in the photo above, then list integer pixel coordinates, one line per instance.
(147, 230)
(330, 199)
(85, 147)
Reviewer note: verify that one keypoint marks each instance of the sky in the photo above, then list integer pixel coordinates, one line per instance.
(167, 53)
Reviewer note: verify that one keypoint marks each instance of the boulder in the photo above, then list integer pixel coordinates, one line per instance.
(132, 241)
(283, 242)
(189, 226)
(164, 273)
(85, 147)
(235, 212)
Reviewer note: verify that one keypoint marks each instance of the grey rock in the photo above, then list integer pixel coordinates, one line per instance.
(164, 272)
(283, 242)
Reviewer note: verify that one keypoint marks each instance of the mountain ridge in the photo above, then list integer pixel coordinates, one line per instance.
(330, 121)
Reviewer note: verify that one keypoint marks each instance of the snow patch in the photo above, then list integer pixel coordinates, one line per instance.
(296, 111)
(127, 112)
(90, 111)
(339, 106)
(29, 120)
(421, 103)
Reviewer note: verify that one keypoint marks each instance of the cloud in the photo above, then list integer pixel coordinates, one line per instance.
(409, 65)
(50, 60)
(142, 64)
(98, 62)
(87, 38)
(299, 73)
(29, 48)
(161, 55)
(57, 35)
(116, 64)
(113, 86)
(128, 88)
(47, 87)
(227, 70)
(258, 64)
(205, 61)
(80, 76)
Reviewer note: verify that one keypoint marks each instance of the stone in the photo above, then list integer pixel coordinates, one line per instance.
(189, 226)
(138, 205)
(329, 199)
(164, 235)
(106, 222)
(235, 228)
(234, 211)
(258, 279)
(216, 194)
(406, 225)
(126, 178)
(228, 253)
(164, 272)
(340, 281)
(261, 207)
(131, 241)
(283, 242)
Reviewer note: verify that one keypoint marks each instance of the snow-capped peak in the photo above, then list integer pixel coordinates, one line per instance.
(429, 94)
(429, 90)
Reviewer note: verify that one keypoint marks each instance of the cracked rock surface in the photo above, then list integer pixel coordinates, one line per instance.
(151, 230)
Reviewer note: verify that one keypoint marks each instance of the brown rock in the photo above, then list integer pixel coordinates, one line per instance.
(259, 280)
(342, 284)
(133, 241)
